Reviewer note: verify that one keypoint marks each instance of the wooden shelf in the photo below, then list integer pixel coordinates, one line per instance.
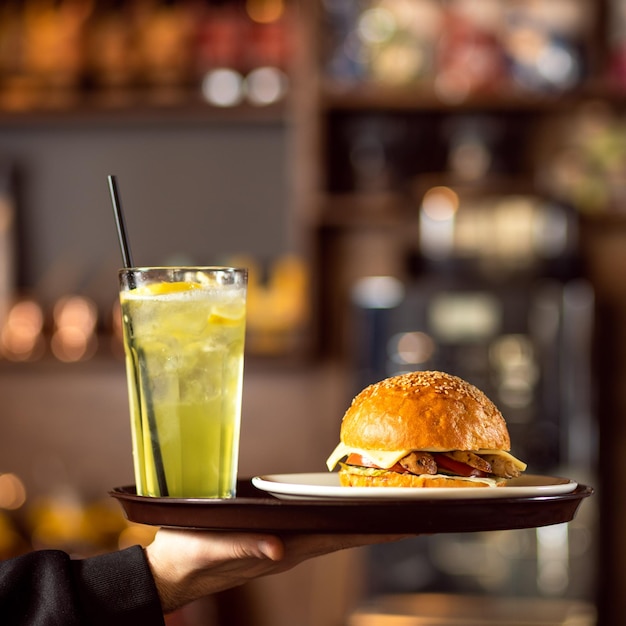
(351, 210)
(375, 96)
(142, 111)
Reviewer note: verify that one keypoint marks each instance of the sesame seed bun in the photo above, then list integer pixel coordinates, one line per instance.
(424, 410)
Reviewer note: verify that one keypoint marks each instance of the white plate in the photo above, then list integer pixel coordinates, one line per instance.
(326, 485)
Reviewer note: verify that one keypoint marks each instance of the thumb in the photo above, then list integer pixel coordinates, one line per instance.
(260, 547)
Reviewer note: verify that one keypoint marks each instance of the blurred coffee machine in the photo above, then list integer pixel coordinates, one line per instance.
(495, 297)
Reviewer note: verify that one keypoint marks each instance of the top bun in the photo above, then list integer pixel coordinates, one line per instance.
(424, 410)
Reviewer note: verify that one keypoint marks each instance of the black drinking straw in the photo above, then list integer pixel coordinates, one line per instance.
(142, 373)
(127, 257)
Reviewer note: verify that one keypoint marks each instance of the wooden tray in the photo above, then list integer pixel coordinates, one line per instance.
(254, 510)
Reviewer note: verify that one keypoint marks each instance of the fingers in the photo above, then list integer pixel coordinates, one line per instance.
(202, 549)
(272, 548)
(243, 546)
(301, 547)
(205, 548)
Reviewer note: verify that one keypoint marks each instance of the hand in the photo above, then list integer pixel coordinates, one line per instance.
(188, 565)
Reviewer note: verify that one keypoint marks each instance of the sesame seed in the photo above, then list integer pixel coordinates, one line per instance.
(439, 382)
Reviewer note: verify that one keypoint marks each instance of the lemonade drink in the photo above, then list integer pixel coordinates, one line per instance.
(184, 339)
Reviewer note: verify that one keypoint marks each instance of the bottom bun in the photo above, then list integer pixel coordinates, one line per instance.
(394, 479)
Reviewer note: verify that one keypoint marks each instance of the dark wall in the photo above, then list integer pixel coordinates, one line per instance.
(197, 192)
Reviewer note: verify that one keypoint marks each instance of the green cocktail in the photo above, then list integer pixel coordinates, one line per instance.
(184, 340)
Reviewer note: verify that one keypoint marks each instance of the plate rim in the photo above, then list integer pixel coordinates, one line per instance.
(275, 484)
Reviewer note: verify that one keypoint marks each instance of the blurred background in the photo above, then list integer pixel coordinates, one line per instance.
(414, 184)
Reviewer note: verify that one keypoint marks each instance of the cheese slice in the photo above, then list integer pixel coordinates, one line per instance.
(507, 455)
(386, 459)
(382, 458)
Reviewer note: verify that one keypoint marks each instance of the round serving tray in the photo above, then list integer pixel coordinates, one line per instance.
(254, 510)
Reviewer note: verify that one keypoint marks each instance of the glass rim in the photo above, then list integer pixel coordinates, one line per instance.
(190, 268)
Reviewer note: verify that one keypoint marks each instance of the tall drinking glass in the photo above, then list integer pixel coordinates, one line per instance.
(184, 333)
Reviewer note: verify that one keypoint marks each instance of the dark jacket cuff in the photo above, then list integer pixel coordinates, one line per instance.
(118, 588)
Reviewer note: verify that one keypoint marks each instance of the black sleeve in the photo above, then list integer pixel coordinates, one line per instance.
(47, 587)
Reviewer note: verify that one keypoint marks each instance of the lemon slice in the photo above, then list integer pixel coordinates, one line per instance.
(220, 320)
(227, 315)
(162, 289)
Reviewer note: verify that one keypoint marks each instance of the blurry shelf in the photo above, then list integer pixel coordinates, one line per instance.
(390, 210)
(376, 96)
(102, 362)
(375, 210)
(141, 111)
(487, 185)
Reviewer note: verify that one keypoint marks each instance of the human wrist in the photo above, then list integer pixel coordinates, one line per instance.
(167, 578)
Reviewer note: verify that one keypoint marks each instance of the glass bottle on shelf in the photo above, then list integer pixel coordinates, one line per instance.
(222, 33)
(111, 56)
(165, 32)
(53, 49)
(268, 50)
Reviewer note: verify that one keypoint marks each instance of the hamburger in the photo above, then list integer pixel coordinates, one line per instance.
(424, 429)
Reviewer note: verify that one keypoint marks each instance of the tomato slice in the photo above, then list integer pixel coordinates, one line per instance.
(456, 467)
(357, 459)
